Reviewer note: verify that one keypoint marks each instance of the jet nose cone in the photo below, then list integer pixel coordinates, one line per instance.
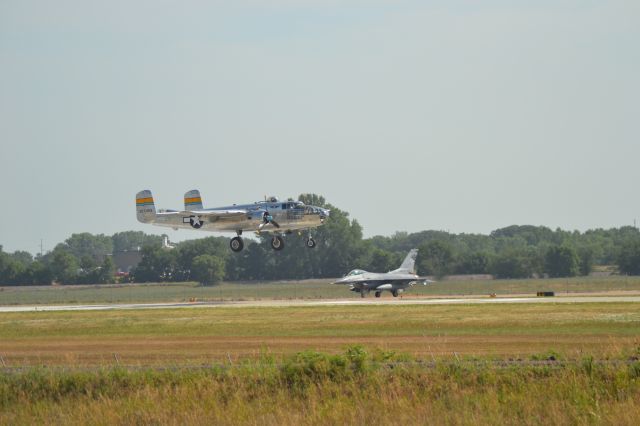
(324, 213)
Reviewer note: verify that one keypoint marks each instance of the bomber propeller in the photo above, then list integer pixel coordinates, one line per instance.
(268, 219)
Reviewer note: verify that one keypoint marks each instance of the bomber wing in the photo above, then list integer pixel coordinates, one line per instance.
(196, 218)
(214, 213)
(204, 213)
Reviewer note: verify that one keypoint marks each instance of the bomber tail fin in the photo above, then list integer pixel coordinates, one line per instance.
(409, 263)
(145, 207)
(192, 200)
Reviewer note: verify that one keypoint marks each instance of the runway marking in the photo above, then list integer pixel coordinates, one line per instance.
(338, 302)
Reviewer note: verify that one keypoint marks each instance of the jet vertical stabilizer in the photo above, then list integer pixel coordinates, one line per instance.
(408, 265)
(145, 207)
(192, 200)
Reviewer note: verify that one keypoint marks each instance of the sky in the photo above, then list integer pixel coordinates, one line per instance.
(463, 116)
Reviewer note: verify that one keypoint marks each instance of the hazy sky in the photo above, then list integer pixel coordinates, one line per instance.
(411, 115)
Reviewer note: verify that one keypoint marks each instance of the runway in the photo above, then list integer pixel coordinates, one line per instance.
(336, 302)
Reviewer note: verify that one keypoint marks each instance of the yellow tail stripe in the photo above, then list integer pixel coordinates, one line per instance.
(144, 200)
(193, 200)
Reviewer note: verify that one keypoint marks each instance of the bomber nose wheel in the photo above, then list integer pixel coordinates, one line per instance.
(277, 243)
(310, 242)
(236, 244)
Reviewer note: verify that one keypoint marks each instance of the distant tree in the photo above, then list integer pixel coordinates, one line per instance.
(208, 269)
(134, 240)
(38, 274)
(435, 258)
(11, 270)
(86, 244)
(561, 261)
(187, 252)
(106, 271)
(517, 263)
(64, 267)
(628, 257)
(312, 200)
(473, 263)
(23, 257)
(586, 256)
(383, 261)
(532, 235)
(157, 265)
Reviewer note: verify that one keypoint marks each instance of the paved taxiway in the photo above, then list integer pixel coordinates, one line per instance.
(337, 302)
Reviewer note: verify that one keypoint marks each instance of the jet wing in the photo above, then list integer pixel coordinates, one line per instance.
(422, 280)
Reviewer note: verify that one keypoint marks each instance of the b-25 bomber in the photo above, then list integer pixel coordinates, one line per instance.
(395, 281)
(273, 216)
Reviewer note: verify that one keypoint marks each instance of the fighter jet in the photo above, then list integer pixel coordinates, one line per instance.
(271, 215)
(395, 281)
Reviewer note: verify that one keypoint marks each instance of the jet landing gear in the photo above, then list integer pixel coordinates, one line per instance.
(277, 243)
(236, 243)
(378, 293)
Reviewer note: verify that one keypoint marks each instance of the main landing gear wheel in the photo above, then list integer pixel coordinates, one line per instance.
(377, 294)
(236, 244)
(195, 222)
(277, 243)
(310, 242)
(395, 293)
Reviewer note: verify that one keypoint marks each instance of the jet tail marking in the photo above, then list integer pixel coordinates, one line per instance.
(408, 265)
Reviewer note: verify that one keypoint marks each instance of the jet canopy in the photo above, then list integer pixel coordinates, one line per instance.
(355, 272)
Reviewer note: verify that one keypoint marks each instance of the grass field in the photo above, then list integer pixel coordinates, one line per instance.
(309, 289)
(195, 336)
(356, 387)
(378, 364)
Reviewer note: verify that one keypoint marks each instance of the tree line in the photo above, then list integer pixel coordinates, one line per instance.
(510, 252)
(81, 259)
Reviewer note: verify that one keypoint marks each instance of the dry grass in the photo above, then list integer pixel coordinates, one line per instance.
(195, 336)
(252, 375)
(206, 350)
(318, 389)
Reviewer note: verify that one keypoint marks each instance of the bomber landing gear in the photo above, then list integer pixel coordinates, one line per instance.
(236, 244)
(277, 243)
(377, 294)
